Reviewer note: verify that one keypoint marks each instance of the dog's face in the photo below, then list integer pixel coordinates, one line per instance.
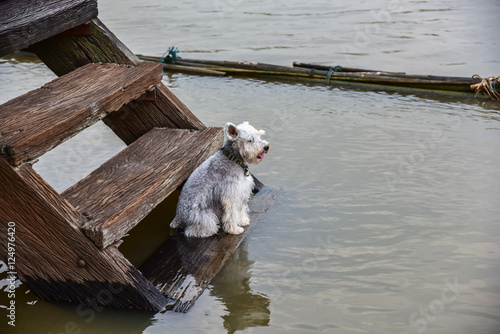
(247, 140)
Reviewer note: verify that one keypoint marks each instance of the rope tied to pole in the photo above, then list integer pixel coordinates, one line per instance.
(332, 69)
(487, 87)
(170, 55)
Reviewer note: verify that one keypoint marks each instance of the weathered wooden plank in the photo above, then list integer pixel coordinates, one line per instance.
(54, 258)
(63, 54)
(126, 188)
(26, 22)
(37, 121)
(183, 267)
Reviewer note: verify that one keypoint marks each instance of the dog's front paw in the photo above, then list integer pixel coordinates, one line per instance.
(235, 230)
(245, 221)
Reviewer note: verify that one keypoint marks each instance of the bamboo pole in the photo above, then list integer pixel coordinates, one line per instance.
(321, 74)
(327, 68)
(192, 70)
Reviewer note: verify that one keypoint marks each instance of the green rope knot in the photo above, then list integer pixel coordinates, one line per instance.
(332, 69)
(170, 55)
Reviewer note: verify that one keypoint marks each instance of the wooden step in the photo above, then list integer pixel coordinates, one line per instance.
(26, 22)
(37, 121)
(122, 191)
(183, 267)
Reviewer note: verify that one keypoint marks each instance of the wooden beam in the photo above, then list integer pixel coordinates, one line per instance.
(26, 22)
(82, 30)
(120, 193)
(37, 121)
(149, 95)
(63, 54)
(183, 267)
(138, 117)
(54, 258)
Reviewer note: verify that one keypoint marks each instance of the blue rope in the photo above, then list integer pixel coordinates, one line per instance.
(170, 55)
(494, 81)
(332, 69)
(492, 87)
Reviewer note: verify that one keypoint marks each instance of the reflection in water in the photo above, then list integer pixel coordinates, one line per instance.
(232, 286)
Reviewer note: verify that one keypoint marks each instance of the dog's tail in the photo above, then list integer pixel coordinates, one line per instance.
(176, 222)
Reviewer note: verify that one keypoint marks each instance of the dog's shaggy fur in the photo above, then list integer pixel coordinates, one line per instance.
(218, 190)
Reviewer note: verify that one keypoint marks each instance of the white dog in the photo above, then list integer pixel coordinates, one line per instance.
(219, 189)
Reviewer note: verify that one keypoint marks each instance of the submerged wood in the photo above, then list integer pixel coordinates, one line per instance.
(183, 267)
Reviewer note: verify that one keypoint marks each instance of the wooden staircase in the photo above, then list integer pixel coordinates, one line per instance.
(65, 241)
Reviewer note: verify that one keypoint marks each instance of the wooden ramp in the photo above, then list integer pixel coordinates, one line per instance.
(66, 243)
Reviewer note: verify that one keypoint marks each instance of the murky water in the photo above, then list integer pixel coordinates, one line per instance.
(389, 220)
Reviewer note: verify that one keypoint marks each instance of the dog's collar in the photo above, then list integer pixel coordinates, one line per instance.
(237, 161)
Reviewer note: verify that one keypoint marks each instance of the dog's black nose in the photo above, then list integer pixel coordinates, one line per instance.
(266, 148)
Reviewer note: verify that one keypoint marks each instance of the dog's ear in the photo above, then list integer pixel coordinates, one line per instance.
(231, 131)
